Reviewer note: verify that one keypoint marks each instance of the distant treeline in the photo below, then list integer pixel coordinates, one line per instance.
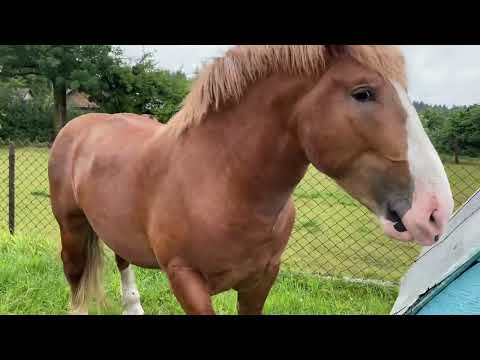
(454, 131)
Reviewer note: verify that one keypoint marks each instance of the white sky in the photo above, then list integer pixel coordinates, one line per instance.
(438, 74)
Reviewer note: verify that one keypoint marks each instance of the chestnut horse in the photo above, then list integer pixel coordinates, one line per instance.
(207, 198)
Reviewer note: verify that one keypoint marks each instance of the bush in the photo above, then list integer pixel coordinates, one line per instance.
(26, 120)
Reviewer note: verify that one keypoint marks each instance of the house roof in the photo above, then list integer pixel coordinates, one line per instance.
(23, 92)
(438, 265)
(80, 100)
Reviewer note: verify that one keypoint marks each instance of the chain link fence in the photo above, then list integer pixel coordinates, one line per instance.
(333, 236)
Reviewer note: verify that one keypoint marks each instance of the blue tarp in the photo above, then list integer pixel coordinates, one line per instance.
(459, 297)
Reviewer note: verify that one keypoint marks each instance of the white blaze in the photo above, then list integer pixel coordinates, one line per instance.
(130, 295)
(425, 165)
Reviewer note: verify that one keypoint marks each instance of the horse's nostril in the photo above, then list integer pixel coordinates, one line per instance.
(400, 227)
(432, 218)
(436, 238)
(393, 216)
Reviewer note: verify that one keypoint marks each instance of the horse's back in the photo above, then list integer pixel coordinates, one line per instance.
(103, 130)
(101, 124)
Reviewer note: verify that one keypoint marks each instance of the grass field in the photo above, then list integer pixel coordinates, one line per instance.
(32, 282)
(333, 236)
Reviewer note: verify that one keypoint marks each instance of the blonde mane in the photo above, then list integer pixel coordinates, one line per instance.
(227, 78)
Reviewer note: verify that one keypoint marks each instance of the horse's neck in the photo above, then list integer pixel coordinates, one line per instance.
(254, 147)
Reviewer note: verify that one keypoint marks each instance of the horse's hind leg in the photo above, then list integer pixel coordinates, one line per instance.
(130, 295)
(82, 261)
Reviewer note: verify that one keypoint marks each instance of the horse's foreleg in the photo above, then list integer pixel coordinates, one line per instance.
(130, 295)
(251, 301)
(190, 289)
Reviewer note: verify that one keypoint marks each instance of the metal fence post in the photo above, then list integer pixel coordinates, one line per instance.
(11, 188)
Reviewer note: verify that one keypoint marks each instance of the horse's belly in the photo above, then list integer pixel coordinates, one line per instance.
(126, 241)
(133, 250)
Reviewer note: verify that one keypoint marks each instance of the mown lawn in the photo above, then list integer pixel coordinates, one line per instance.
(32, 282)
(333, 234)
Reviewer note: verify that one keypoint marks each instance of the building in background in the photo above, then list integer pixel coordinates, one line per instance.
(79, 101)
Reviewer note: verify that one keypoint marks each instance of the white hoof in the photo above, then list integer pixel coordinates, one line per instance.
(136, 309)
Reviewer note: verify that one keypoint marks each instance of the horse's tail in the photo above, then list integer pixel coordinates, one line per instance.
(91, 282)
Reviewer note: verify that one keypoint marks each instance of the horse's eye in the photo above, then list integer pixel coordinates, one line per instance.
(364, 95)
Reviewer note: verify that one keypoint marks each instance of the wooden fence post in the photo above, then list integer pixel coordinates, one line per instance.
(11, 188)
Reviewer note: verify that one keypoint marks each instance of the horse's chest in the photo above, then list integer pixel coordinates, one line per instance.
(238, 275)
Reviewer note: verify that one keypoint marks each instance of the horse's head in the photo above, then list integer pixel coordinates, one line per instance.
(359, 127)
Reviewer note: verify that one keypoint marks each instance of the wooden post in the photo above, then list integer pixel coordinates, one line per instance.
(11, 188)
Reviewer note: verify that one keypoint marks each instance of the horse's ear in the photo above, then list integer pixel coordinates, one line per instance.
(335, 50)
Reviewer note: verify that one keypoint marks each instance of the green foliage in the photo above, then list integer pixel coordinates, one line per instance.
(27, 120)
(141, 89)
(79, 65)
(20, 119)
(64, 66)
(420, 106)
(472, 128)
(97, 70)
(453, 131)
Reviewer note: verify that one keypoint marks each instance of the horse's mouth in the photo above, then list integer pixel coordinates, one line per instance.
(399, 226)
(396, 220)
(395, 229)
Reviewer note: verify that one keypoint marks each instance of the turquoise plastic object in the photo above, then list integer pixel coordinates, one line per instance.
(460, 297)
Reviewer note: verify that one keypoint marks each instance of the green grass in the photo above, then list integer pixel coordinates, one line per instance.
(333, 235)
(32, 282)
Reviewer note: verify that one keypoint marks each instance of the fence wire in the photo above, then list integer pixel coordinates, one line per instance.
(333, 235)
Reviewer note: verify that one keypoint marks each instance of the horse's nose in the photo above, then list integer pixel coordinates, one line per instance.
(426, 221)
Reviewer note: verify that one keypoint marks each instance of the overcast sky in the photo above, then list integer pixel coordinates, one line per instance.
(438, 74)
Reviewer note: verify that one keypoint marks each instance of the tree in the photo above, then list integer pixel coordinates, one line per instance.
(141, 88)
(454, 134)
(65, 66)
(433, 119)
(455, 130)
(471, 127)
(25, 120)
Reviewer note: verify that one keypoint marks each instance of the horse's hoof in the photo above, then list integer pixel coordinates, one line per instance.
(134, 310)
